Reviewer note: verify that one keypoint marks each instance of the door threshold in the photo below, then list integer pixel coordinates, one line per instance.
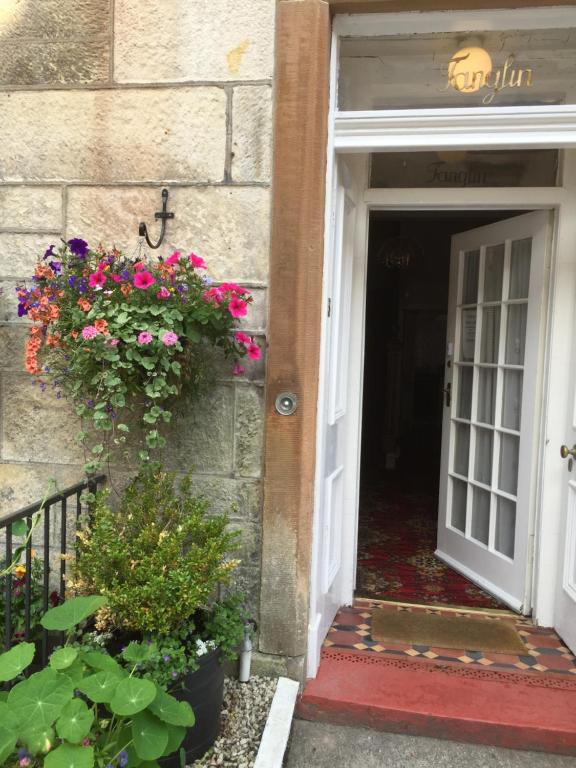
(360, 601)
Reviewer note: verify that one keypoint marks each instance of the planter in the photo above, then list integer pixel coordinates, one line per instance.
(203, 690)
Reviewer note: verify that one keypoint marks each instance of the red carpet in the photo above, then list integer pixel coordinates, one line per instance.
(396, 561)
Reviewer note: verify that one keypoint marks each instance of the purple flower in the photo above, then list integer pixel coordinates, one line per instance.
(22, 310)
(123, 759)
(90, 403)
(174, 675)
(78, 247)
(55, 266)
(166, 659)
(49, 253)
(72, 280)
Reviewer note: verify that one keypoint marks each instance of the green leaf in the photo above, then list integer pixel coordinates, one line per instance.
(132, 695)
(138, 652)
(72, 612)
(7, 717)
(15, 661)
(145, 362)
(75, 672)
(7, 743)
(68, 756)
(63, 658)
(101, 661)
(37, 739)
(172, 711)
(101, 687)
(150, 736)
(41, 698)
(19, 528)
(122, 428)
(176, 734)
(75, 722)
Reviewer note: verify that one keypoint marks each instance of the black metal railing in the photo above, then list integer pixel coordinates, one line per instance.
(34, 585)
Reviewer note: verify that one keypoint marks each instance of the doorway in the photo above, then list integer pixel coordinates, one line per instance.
(403, 403)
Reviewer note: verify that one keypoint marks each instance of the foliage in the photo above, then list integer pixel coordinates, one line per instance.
(157, 559)
(84, 710)
(116, 334)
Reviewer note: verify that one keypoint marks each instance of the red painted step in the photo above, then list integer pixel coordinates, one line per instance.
(515, 710)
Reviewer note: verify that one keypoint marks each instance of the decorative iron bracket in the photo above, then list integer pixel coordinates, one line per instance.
(163, 216)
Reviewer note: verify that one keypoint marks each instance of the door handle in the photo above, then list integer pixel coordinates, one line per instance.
(565, 451)
(448, 395)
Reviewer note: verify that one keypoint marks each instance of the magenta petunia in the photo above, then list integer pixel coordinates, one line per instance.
(139, 266)
(173, 259)
(144, 337)
(163, 293)
(89, 332)
(169, 339)
(213, 294)
(143, 280)
(233, 288)
(254, 352)
(197, 261)
(113, 342)
(242, 338)
(237, 307)
(97, 279)
(238, 370)
(115, 278)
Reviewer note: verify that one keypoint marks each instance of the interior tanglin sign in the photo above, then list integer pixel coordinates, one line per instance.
(471, 69)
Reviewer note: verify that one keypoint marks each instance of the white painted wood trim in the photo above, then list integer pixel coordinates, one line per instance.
(469, 198)
(278, 725)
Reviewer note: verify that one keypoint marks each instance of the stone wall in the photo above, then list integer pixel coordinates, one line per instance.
(102, 103)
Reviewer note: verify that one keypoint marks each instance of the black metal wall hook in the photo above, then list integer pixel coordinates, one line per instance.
(163, 215)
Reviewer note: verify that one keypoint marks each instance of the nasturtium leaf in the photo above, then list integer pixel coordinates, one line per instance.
(150, 764)
(133, 760)
(15, 661)
(101, 661)
(41, 698)
(37, 740)
(75, 672)
(71, 612)
(150, 736)
(7, 717)
(19, 528)
(101, 687)
(3, 695)
(7, 743)
(75, 722)
(138, 652)
(132, 695)
(69, 756)
(176, 736)
(63, 658)
(172, 711)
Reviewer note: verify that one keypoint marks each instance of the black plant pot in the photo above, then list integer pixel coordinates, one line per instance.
(204, 691)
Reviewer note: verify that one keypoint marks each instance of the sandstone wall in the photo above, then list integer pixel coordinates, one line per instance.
(103, 102)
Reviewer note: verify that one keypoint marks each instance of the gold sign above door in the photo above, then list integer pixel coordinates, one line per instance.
(471, 70)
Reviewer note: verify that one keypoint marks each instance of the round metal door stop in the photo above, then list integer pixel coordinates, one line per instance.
(286, 403)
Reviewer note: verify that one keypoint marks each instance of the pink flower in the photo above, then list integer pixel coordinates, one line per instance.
(238, 370)
(163, 293)
(237, 307)
(197, 261)
(242, 338)
(169, 339)
(113, 342)
(254, 352)
(173, 259)
(139, 266)
(143, 280)
(89, 332)
(97, 279)
(115, 278)
(212, 294)
(233, 288)
(24, 762)
(144, 337)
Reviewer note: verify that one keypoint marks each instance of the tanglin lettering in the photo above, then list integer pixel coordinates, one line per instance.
(471, 69)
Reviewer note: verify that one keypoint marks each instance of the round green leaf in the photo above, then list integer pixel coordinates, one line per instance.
(15, 661)
(68, 756)
(72, 612)
(41, 698)
(63, 658)
(38, 740)
(7, 742)
(150, 736)
(138, 652)
(176, 736)
(101, 661)
(75, 722)
(172, 711)
(20, 528)
(75, 672)
(7, 717)
(132, 695)
(100, 687)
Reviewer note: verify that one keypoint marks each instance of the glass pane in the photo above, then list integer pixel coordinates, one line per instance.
(470, 277)
(490, 335)
(512, 399)
(483, 458)
(508, 471)
(461, 449)
(505, 526)
(465, 374)
(477, 168)
(468, 335)
(480, 515)
(432, 70)
(493, 272)
(516, 333)
(458, 513)
(486, 395)
(520, 268)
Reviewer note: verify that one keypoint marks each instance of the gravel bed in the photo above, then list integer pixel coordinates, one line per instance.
(244, 713)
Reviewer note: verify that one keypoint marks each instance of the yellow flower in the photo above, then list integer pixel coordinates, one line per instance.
(20, 571)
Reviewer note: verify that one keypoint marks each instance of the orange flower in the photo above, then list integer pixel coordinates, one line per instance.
(35, 330)
(54, 312)
(53, 340)
(126, 289)
(74, 334)
(84, 305)
(101, 326)
(20, 571)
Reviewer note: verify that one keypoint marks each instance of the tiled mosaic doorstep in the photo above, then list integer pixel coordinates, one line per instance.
(545, 652)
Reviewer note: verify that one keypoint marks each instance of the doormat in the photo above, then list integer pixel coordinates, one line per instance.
(446, 631)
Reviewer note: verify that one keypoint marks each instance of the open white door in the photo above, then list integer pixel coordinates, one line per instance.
(339, 408)
(491, 419)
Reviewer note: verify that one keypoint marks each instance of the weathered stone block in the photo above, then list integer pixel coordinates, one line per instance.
(8, 301)
(12, 338)
(255, 320)
(19, 253)
(30, 208)
(247, 581)
(29, 62)
(250, 544)
(21, 485)
(202, 40)
(228, 226)
(252, 133)
(56, 19)
(201, 437)
(240, 499)
(135, 134)
(249, 430)
(36, 424)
